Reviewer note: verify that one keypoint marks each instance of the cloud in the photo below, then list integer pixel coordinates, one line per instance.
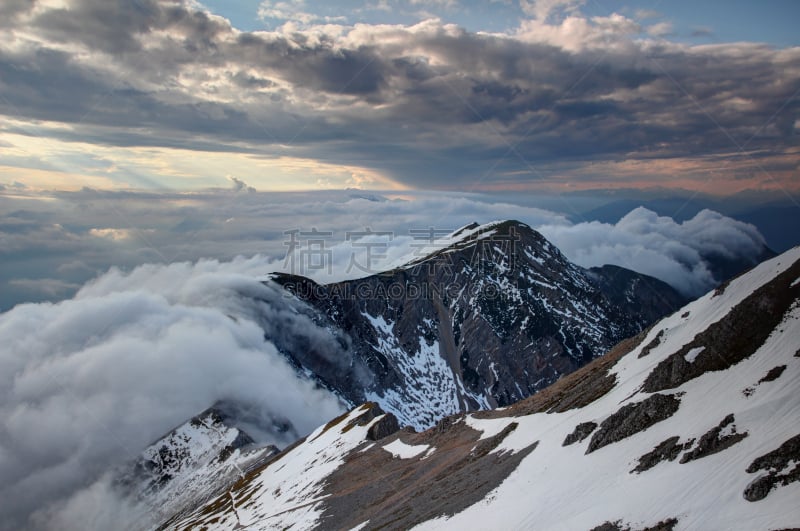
(702, 31)
(129, 358)
(50, 288)
(660, 29)
(240, 186)
(63, 242)
(642, 14)
(73, 235)
(426, 105)
(543, 10)
(291, 10)
(677, 253)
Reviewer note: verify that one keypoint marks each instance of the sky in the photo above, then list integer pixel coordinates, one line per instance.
(498, 95)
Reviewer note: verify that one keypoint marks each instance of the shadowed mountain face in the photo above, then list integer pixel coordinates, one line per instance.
(495, 314)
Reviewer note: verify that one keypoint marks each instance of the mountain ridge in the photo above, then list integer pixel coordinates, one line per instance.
(712, 451)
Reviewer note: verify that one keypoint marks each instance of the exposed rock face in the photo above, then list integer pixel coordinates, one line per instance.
(666, 525)
(715, 440)
(192, 463)
(665, 451)
(383, 428)
(490, 319)
(582, 430)
(772, 375)
(633, 418)
(636, 294)
(459, 471)
(782, 466)
(733, 338)
(653, 344)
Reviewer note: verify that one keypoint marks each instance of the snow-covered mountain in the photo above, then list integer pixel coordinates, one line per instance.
(692, 424)
(193, 462)
(493, 314)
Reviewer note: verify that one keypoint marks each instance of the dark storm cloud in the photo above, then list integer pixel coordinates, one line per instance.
(397, 99)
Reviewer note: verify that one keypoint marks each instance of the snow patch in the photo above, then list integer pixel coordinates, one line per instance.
(405, 451)
(692, 354)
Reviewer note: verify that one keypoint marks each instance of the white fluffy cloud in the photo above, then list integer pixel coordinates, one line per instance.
(677, 253)
(87, 383)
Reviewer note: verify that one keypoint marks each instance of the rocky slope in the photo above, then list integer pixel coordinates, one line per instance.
(692, 424)
(493, 315)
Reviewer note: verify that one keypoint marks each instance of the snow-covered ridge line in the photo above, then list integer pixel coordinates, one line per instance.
(725, 421)
(288, 490)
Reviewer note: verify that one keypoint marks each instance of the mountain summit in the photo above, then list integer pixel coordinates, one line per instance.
(492, 315)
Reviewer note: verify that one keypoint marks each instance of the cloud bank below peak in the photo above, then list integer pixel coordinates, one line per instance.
(129, 358)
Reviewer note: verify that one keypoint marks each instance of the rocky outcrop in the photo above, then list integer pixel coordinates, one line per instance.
(633, 418)
(782, 466)
(386, 426)
(772, 375)
(652, 344)
(715, 440)
(581, 431)
(733, 338)
(666, 451)
(665, 525)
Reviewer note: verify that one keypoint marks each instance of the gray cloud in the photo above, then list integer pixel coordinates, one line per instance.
(63, 242)
(455, 99)
(240, 186)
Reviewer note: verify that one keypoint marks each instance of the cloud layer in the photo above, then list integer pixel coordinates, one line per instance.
(423, 105)
(87, 383)
(677, 253)
(53, 244)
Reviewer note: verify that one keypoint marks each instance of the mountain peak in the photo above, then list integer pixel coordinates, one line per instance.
(483, 239)
(493, 315)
